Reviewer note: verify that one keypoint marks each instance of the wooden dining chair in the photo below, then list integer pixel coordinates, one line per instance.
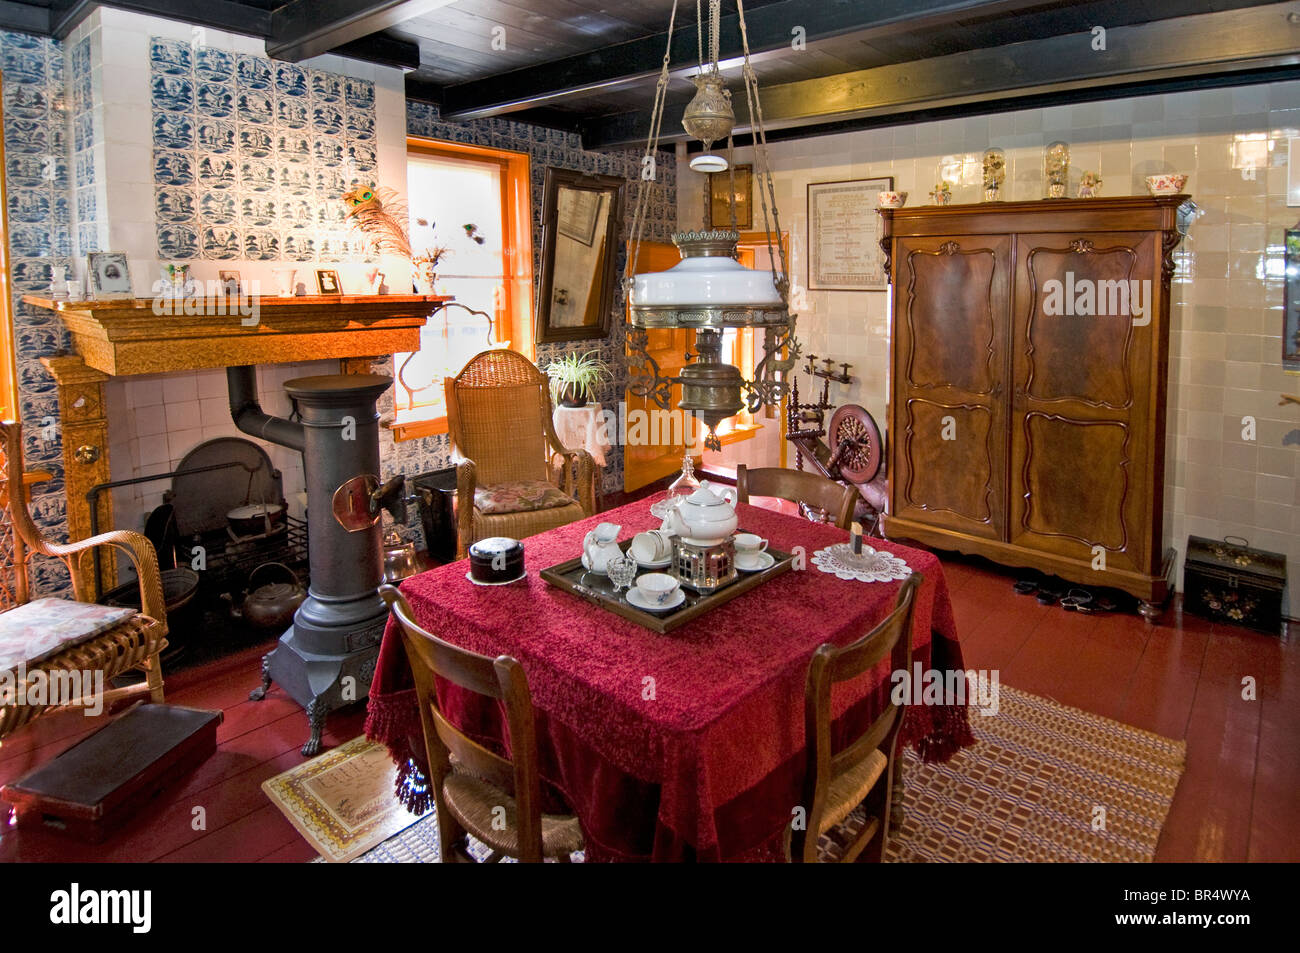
(476, 791)
(836, 499)
(848, 796)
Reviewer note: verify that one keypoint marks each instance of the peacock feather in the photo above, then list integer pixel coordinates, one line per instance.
(380, 215)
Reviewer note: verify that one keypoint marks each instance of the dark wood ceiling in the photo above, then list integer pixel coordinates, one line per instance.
(591, 65)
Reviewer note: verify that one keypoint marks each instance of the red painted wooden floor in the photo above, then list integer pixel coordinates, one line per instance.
(1237, 800)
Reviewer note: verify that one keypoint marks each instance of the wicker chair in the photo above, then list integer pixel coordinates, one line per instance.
(513, 477)
(132, 644)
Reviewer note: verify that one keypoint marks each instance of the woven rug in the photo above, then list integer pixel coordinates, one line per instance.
(1027, 790)
(342, 801)
(1043, 782)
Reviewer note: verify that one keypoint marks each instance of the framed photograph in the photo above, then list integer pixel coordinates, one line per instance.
(577, 213)
(109, 275)
(717, 208)
(843, 235)
(229, 283)
(327, 282)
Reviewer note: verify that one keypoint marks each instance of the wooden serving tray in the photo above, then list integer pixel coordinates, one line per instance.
(599, 591)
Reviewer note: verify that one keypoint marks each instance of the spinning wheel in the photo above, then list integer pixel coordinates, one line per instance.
(857, 447)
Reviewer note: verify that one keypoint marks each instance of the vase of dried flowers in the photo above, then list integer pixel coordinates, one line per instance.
(995, 174)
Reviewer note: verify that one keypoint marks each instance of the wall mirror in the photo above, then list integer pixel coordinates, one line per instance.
(581, 218)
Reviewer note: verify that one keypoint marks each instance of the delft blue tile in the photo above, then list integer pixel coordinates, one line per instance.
(170, 56)
(26, 101)
(22, 66)
(216, 136)
(87, 237)
(173, 131)
(292, 147)
(215, 101)
(256, 142)
(28, 272)
(362, 155)
(296, 180)
(28, 205)
(326, 87)
(178, 242)
(329, 153)
(37, 341)
(257, 175)
(331, 183)
(25, 171)
(61, 241)
(172, 93)
(26, 136)
(290, 80)
(261, 245)
(292, 113)
(35, 380)
(299, 247)
(219, 172)
(83, 133)
(254, 106)
(254, 72)
(172, 168)
(327, 119)
(257, 210)
(214, 65)
(86, 204)
(296, 214)
(27, 241)
(360, 94)
(23, 41)
(220, 243)
(217, 208)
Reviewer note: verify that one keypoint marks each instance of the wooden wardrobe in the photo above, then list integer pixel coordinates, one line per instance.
(1027, 394)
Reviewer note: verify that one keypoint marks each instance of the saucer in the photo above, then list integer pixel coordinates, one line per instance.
(503, 582)
(657, 564)
(765, 561)
(634, 599)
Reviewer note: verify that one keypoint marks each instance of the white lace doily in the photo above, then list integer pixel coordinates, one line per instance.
(870, 566)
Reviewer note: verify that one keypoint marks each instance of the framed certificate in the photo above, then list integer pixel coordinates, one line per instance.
(843, 232)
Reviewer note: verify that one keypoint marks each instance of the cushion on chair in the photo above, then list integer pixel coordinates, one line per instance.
(33, 632)
(519, 496)
(848, 790)
(472, 800)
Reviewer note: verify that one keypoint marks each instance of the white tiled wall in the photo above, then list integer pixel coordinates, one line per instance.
(1228, 297)
(155, 419)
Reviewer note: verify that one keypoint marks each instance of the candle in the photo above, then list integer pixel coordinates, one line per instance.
(857, 539)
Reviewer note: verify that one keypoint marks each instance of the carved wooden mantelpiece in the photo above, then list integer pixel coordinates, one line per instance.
(126, 336)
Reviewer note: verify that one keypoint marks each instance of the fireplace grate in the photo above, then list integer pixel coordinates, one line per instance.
(228, 560)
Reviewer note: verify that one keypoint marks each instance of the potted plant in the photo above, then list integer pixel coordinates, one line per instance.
(575, 377)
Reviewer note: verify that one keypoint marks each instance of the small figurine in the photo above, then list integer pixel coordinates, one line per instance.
(1089, 185)
(942, 194)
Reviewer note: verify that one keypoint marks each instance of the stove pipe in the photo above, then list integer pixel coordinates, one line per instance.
(326, 659)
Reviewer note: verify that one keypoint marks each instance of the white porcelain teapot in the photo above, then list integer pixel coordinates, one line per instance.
(705, 516)
(600, 546)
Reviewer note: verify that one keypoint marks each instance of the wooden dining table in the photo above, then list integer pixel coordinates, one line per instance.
(681, 746)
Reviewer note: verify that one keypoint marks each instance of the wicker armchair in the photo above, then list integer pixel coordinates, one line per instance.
(132, 644)
(513, 477)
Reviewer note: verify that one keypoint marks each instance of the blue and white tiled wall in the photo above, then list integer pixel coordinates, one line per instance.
(40, 237)
(251, 155)
(548, 148)
(86, 211)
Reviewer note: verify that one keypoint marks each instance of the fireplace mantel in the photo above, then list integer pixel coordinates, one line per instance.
(125, 336)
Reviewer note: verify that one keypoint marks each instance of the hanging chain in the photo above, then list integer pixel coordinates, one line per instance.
(715, 31)
(762, 169)
(731, 170)
(648, 160)
(699, 31)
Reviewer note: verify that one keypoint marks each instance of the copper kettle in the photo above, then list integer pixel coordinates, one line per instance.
(400, 559)
(271, 606)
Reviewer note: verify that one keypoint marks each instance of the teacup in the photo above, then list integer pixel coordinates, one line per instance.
(892, 199)
(749, 547)
(652, 546)
(657, 588)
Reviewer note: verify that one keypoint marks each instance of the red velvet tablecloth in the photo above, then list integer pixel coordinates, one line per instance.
(687, 745)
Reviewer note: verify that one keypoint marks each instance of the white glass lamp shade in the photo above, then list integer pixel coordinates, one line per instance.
(706, 282)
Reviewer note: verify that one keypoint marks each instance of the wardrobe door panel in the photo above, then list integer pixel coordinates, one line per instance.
(1082, 344)
(948, 417)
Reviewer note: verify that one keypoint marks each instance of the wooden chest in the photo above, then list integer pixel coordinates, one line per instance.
(98, 784)
(1228, 581)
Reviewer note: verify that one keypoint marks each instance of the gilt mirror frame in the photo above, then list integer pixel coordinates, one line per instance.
(580, 228)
